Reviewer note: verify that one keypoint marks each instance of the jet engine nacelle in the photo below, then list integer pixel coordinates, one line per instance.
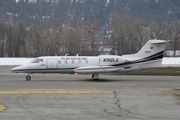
(111, 59)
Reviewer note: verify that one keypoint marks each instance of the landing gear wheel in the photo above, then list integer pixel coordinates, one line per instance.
(95, 76)
(28, 78)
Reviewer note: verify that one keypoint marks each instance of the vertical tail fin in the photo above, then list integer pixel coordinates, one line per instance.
(153, 49)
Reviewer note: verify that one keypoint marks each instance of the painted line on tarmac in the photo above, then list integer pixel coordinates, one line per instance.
(56, 91)
(173, 92)
(68, 91)
(2, 107)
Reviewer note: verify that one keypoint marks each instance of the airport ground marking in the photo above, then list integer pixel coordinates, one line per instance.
(171, 91)
(57, 91)
(68, 91)
(2, 107)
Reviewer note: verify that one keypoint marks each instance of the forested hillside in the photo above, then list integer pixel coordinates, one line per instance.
(161, 10)
(57, 27)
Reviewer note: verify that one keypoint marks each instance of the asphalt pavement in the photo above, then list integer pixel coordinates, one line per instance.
(78, 97)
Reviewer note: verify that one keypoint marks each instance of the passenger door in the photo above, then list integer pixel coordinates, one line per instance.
(52, 63)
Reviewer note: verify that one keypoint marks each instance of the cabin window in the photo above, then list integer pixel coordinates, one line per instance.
(79, 61)
(65, 61)
(37, 60)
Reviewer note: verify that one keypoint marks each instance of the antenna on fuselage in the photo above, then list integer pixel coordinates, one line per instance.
(77, 54)
(66, 54)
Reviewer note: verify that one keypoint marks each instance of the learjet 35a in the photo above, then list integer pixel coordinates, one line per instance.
(149, 56)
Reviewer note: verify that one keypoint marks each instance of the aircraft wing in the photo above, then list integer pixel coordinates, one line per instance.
(97, 69)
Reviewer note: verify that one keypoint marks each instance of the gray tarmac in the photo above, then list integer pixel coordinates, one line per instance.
(78, 97)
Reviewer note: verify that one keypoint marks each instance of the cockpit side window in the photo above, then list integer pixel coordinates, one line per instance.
(37, 60)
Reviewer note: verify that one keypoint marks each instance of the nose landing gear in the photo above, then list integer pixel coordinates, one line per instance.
(28, 77)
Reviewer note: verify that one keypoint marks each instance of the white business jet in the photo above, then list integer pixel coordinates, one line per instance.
(149, 56)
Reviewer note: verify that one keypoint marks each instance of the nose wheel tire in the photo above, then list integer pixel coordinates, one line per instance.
(28, 78)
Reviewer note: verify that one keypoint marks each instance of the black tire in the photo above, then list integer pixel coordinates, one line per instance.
(28, 78)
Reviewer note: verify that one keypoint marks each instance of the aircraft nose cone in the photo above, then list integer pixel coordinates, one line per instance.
(16, 69)
(12, 69)
(21, 69)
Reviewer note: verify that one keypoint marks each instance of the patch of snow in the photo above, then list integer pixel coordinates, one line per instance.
(15, 61)
(107, 2)
(168, 62)
(20, 61)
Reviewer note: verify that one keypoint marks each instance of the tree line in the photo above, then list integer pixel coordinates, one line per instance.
(46, 36)
(161, 10)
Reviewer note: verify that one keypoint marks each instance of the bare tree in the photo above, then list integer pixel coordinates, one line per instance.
(140, 32)
(19, 39)
(121, 27)
(78, 23)
(57, 37)
(93, 35)
(174, 34)
(154, 30)
(11, 42)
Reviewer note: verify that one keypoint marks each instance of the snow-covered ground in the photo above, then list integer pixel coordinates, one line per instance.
(15, 61)
(167, 62)
(171, 62)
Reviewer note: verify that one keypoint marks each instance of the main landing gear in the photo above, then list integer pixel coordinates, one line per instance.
(28, 77)
(95, 76)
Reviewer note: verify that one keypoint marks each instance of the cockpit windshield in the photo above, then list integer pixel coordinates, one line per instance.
(37, 60)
